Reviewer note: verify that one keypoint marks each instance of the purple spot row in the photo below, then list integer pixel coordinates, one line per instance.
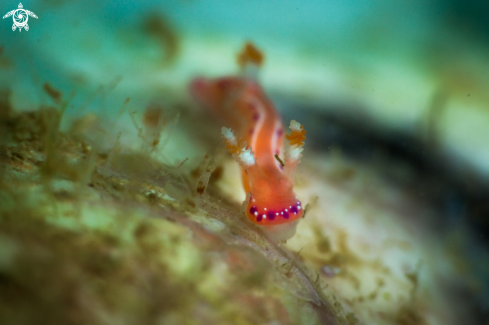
(271, 215)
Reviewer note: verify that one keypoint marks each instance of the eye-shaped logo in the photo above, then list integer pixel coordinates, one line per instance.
(20, 17)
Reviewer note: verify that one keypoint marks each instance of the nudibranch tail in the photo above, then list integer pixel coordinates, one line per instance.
(237, 147)
(250, 60)
(250, 54)
(293, 148)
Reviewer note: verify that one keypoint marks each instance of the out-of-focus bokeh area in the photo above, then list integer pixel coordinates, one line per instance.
(412, 66)
(394, 96)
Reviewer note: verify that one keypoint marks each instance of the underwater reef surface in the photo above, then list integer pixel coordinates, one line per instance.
(94, 231)
(119, 204)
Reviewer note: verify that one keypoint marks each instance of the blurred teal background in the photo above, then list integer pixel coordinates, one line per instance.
(385, 59)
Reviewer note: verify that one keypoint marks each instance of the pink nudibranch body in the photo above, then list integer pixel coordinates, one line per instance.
(240, 103)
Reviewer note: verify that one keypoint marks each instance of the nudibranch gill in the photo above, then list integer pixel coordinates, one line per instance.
(257, 139)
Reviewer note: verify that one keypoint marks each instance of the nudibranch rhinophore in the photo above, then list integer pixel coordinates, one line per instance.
(240, 102)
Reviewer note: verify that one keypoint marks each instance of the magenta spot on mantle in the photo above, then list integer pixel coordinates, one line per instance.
(271, 215)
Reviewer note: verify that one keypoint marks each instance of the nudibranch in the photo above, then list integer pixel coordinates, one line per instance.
(256, 143)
